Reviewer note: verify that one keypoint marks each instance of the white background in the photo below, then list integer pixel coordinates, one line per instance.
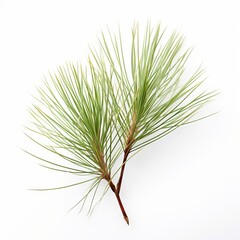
(184, 187)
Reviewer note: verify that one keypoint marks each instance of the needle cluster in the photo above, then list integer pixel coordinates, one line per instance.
(97, 117)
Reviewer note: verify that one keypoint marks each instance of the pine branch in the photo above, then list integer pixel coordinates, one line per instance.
(88, 118)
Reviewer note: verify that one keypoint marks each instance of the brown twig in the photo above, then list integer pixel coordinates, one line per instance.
(129, 142)
(114, 189)
(119, 184)
(106, 175)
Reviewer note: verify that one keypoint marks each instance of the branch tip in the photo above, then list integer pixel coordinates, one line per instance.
(127, 220)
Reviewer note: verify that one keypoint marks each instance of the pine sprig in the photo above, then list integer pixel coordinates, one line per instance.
(92, 117)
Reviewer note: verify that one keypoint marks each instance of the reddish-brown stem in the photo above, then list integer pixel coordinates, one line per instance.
(122, 208)
(129, 143)
(106, 175)
(119, 184)
(114, 189)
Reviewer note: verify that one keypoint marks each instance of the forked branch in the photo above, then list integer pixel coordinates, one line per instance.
(114, 189)
(76, 107)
